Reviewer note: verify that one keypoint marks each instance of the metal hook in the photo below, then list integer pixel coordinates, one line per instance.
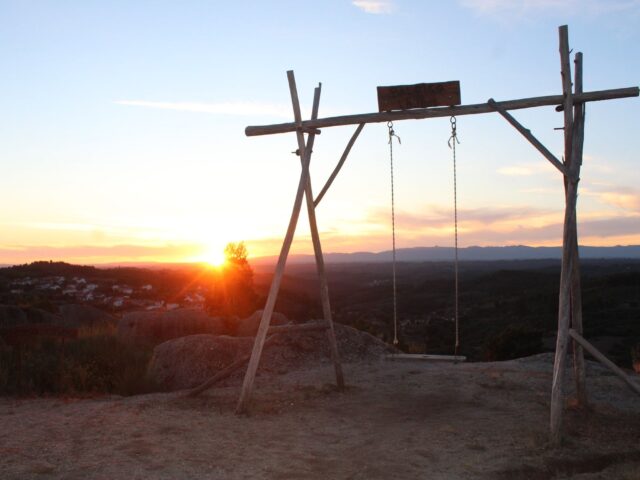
(454, 134)
(392, 133)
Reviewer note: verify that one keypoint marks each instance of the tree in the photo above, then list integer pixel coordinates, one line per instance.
(236, 254)
(232, 293)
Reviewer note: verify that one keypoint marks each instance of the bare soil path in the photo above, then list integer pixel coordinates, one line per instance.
(395, 420)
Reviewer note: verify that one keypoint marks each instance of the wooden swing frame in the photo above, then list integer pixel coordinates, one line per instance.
(572, 102)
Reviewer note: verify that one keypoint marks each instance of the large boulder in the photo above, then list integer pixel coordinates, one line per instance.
(154, 327)
(248, 327)
(85, 316)
(308, 348)
(189, 361)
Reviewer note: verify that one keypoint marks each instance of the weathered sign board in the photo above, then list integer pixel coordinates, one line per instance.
(420, 95)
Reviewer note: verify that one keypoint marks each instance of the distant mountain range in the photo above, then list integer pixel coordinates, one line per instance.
(443, 254)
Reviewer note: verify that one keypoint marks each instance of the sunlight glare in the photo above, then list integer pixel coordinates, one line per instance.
(214, 257)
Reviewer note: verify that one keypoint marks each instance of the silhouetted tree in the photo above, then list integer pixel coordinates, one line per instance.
(232, 293)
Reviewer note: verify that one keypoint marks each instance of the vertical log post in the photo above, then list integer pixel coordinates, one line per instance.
(576, 288)
(247, 384)
(317, 249)
(564, 307)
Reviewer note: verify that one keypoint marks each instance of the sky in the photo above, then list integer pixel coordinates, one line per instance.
(122, 125)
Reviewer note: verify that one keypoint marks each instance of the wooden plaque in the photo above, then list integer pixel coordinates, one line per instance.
(420, 95)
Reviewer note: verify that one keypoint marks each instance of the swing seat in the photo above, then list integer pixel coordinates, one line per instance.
(426, 357)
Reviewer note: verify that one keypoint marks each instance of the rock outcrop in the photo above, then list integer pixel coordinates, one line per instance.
(189, 361)
(154, 327)
(248, 327)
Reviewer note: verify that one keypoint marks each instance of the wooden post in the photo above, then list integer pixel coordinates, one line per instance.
(247, 385)
(568, 242)
(576, 288)
(317, 249)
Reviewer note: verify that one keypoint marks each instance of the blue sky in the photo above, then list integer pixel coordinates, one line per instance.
(122, 124)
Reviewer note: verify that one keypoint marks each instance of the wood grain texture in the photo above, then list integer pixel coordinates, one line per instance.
(568, 256)
(576, 284)
(436, 112)
(420, 95)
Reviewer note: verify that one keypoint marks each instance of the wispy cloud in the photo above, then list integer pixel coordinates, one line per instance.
(625, 198)
(224, 108)
(376, 7)
(517, 171)
(519, 8)
(442, 218)
(527, 169)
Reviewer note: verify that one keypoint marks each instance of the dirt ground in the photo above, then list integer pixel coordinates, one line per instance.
(410, 420)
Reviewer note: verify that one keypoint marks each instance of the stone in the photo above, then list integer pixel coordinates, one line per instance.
(189, 361)
(248, 327)
(154, 327)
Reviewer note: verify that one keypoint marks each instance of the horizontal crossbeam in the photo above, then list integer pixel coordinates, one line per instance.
(436, 112)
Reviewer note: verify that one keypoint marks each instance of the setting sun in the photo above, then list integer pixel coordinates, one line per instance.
(214, 257)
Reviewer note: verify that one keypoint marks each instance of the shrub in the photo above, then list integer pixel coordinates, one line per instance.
(513, 342)
(93, 364)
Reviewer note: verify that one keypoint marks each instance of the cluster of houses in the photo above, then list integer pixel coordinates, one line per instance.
(113, 296)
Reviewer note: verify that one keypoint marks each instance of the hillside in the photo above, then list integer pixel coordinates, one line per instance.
(479, 254)
(507, 308)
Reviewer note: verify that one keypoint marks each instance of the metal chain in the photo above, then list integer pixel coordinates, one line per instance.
(392, 134)
(453, 139)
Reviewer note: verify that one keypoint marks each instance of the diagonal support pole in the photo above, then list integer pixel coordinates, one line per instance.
(247, 384)
(336, 170)
(529, 136)
(604, 360)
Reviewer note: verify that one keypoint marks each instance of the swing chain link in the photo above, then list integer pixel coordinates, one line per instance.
(392, 134)
(454, 134)
(453, 139)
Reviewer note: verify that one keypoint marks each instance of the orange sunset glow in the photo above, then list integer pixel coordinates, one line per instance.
(284, 239)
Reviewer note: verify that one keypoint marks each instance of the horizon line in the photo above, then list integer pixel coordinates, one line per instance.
(268, 258)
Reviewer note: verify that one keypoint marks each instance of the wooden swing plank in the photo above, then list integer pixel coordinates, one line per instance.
(420, 95)
(421, 356)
